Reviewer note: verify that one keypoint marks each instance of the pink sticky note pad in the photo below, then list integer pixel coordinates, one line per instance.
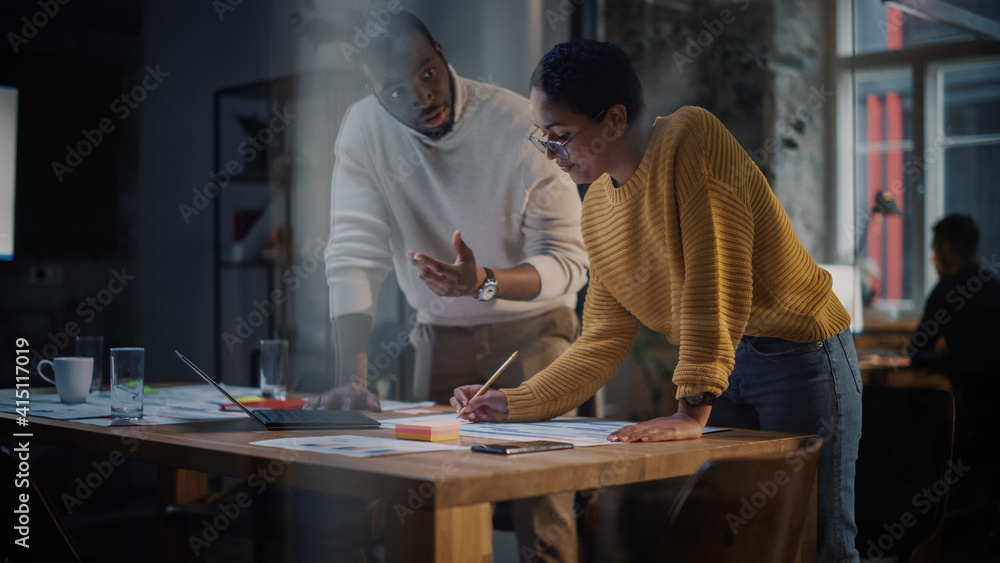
(434, 431)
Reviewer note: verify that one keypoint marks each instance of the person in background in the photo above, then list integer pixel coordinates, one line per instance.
(685, 236)
(963, 310)
(428, 168)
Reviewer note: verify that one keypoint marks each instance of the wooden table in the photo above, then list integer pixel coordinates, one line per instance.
(894, 370)
(438, 504)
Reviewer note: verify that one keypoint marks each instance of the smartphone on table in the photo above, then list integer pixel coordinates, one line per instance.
(512, 448)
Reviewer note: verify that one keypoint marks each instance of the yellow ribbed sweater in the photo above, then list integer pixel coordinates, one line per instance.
(695, 246)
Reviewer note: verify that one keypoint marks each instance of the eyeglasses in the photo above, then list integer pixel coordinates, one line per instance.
(559, 148)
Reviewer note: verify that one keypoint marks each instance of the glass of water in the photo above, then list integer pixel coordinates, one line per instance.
(92, 346)
(273, 369)
(127, 370)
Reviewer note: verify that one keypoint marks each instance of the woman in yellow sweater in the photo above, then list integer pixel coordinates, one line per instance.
(686, 237)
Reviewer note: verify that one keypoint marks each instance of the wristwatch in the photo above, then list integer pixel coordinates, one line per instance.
(489, 288)
(704, 398)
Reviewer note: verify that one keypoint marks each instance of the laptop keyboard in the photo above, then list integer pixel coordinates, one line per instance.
(291, 415)
(326, 419)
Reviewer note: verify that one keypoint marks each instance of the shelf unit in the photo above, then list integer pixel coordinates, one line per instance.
(251, 218)
(273, 151)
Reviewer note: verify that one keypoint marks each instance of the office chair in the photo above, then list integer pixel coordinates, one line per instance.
(903, 472)
(735, 510)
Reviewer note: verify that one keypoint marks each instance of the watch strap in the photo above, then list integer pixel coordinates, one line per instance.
(491, 282)
(704, 398)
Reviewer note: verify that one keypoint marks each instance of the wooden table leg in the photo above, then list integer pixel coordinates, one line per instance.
(461, 534)
(176, 486)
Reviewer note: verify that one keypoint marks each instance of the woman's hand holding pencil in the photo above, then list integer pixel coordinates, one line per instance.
(479, 403)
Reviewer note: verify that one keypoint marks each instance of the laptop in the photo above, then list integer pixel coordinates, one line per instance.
(293, 419)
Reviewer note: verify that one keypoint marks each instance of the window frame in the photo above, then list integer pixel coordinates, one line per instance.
(926, 64)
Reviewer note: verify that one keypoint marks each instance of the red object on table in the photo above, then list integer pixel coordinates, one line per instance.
(272, 404)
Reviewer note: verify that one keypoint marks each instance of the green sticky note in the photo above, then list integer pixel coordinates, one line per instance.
(146, 389)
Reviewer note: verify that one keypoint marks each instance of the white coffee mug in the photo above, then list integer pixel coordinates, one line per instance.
(73, 376)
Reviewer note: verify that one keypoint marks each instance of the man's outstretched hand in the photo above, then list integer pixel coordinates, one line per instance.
(460, 279)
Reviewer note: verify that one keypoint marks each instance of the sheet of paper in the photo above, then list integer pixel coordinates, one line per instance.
(577, 431)
(392, 422)
(146, 420)
(168, 405)
(357, 446)
(390, 405)
(48, 405)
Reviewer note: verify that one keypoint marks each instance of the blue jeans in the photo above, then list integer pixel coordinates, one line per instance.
(811, 388)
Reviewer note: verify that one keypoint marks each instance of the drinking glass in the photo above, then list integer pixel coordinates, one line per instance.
(127, 370)
(273, 369)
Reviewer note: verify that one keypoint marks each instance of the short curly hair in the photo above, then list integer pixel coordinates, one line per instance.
(961, 232)
(588, 77)
(380, 49)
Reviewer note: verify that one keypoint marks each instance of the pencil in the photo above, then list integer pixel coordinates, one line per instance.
(490, 381)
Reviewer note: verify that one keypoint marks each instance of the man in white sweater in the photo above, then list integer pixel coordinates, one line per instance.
(430, 167)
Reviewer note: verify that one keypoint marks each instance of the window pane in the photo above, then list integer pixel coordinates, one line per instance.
(883, 191)
(972, 186)
(878, 28)
(972, 100)
(971, 147)
(877, 84)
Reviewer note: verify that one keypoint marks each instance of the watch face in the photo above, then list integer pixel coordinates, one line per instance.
(489, 290)
(704, 398)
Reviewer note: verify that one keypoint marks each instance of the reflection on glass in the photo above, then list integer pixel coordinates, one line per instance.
(971, 146)
(884, 187)
(878, 28)
(972, 99)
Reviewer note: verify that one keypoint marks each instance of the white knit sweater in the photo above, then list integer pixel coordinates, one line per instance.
(395, 189)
